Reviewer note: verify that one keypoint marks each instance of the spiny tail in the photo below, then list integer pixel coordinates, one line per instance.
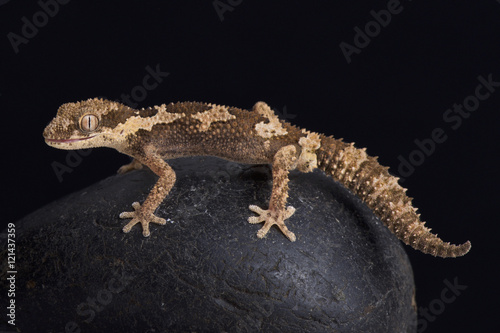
(370, 181)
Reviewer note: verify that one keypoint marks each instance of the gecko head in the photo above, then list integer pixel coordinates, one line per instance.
(86, 124)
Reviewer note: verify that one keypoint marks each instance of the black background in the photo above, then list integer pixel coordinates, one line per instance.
(394, 91)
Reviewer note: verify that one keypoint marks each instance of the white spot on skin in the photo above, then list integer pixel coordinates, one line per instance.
(161, 108)
(217, 113)
(308, 160)
(311, 142)
(135, 123)
(273, 127)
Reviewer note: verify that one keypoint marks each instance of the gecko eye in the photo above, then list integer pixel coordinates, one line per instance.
(89, 123)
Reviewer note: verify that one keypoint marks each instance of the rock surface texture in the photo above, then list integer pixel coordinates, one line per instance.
(205, 270)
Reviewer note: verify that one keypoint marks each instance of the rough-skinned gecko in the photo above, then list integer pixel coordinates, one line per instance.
(159, 133)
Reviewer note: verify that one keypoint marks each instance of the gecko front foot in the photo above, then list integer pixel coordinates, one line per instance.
(134, 165)
(271, 217)
(140, 217)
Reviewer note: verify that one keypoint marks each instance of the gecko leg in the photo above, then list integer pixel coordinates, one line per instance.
(134, 165)
(144, 214)
(284, 160)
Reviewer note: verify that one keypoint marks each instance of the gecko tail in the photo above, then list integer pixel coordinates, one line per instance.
(370, 181)
(422, 239)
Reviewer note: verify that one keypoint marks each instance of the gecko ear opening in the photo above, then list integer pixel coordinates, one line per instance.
(89, 123)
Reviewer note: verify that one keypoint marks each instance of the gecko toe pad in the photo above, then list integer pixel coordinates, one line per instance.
(144, 219)
(270, 218)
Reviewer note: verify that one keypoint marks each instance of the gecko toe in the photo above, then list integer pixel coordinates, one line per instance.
(290, 235)
(127, 215)
(255, 219)
(158, 220)
(128, 226)
(145, 231)
(262, 233)
(257, 209)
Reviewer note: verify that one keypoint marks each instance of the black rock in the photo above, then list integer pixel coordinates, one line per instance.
(205, 270)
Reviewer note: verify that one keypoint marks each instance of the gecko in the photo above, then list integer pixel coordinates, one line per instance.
(154, 135)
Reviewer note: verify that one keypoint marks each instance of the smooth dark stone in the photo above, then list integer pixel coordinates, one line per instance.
(205, 270)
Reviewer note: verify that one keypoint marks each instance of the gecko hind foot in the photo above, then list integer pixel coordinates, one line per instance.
(270, 218)
(138, 216)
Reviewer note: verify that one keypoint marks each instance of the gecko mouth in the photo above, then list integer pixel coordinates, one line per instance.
(68, 140)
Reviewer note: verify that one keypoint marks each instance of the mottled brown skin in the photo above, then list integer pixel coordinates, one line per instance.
(153, 135)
